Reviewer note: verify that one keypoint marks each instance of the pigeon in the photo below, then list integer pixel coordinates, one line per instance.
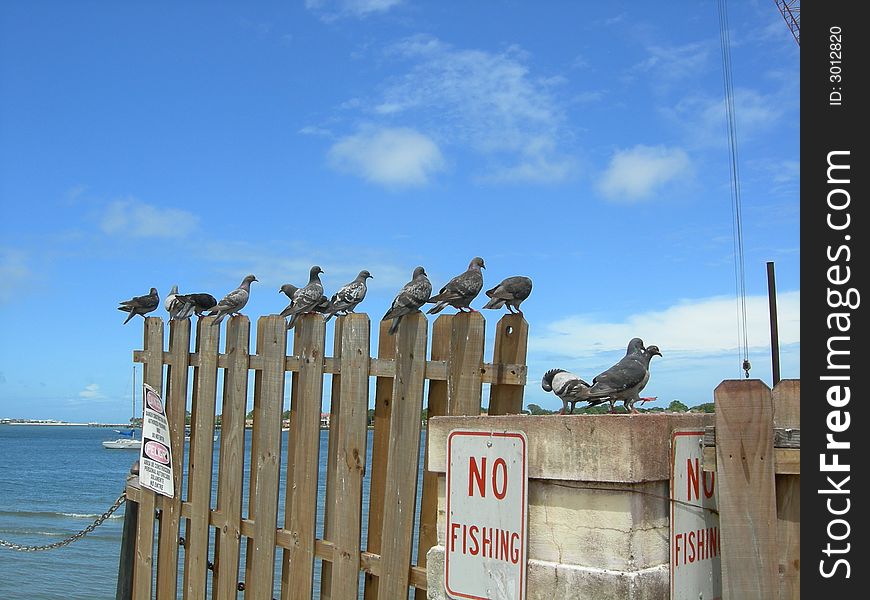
(190, 304)
(568, 387)
(169, 303)
(623, 381)
(305, 299)
(289, 289)
(140, 305)
(233, 302)
(410, 298)
(348, 296)
(461, 290)
(510, 293)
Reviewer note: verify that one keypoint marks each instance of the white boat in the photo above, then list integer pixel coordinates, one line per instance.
(128, 440)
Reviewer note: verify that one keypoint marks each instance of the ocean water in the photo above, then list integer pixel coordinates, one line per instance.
(56, 480)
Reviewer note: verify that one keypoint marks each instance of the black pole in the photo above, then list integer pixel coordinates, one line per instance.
(124, 590)
(774, 330)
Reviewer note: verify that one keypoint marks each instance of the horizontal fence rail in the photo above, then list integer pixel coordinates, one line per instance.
(176, 534)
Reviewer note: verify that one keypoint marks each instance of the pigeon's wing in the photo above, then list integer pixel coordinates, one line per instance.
(305, 299)
(622, 376)
(410, 298)
(350, 294)
(233, 301)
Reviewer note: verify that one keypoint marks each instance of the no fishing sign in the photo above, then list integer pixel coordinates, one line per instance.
(155, 456)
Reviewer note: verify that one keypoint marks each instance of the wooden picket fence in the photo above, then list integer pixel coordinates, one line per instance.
(456, 372)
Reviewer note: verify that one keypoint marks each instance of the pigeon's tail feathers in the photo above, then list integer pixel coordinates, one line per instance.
(547, 381)
(494, 302)
(327, 315)
(292, 322)
(130, 316)
(395, 325)
(439, 306)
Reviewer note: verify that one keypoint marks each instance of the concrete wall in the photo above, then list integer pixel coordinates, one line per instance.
(598, 523)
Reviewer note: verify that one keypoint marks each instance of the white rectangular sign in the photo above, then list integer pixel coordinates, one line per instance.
(487, 508)
(155, 455)
(696, 569)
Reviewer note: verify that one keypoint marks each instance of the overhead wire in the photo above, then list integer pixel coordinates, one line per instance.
(736, 204)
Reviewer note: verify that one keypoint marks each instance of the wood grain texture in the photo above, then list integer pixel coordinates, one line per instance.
(786, 414)
(511, 347)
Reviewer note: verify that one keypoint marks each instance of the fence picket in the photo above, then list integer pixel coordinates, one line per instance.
(231, 460)
(265, 457)
(511, 348)
(403, 458)
(300, 511)
(176, 404)
(329, 508)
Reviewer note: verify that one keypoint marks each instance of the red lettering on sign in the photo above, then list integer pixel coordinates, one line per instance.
(500, 494)
(711, 477)
(476, 474)
(692, 479)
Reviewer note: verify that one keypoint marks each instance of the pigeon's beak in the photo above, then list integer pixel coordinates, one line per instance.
(656, 352)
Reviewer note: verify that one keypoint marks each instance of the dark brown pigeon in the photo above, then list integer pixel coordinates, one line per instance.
(461, 290)
(510, 293)
(140, 305)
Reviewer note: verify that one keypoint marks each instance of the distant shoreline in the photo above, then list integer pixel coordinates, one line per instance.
(65, 424)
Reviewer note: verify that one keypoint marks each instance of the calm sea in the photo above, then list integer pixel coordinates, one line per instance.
(56, 480)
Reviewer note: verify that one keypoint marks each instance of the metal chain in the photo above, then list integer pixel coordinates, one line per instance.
(99, 521)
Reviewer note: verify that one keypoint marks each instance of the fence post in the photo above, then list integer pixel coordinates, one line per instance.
(511, 347)
(265, 457)
(176, 403)
(124, 589)
(199, 469)
(329, 508)
(153, 376)
(747, 498)
(231, 460)
(303, 452)
(786, 413)
(380, 444)
(403, 454)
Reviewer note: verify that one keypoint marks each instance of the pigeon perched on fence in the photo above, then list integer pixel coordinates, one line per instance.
(348, 296)
(461, 290)
(623, 381)
(410, 298)
(169, 303)
(140, 305)
(190, 304)
(233, 302)
(305, 299)
(510, 293)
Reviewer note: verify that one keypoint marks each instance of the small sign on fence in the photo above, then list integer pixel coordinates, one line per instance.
(155, 455)
(487, 507)
(696, 570)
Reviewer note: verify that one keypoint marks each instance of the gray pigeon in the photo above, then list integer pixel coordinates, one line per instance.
(510, 293)
(461, 290)
(348, 296)
(410, 298)
(140, 305)
(233, 302)
(305, 299)
(190, 304)
(623, 381)
(289, 289)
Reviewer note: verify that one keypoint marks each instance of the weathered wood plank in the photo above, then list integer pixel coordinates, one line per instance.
(199, 469)
(403, 458)
(511, 347)
(351, 454)
(176, 404)
(464, 382)
(442, 330)
(329, 506)
(747, 498)
(300, 513)
(265, 458)
(783, 437)
(152, 375)
(231, 460)
(786, 461)
(786, 414)
(380, 443)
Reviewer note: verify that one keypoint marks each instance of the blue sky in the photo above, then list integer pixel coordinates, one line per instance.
(583, 144)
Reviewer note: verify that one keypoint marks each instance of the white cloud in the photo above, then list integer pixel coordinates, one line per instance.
(490, 102)
(396, 157)
(697, 328)
(332, 9)
(91, 391)
(138, 219)
(636, 173)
